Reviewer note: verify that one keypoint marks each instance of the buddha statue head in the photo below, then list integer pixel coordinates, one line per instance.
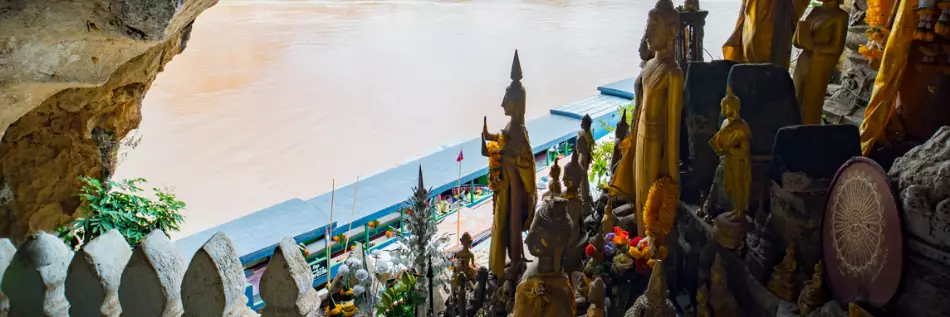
(622, 127)
(546, 239)
(718, 272)
(730, 104)
(573, 174)
(514, 102)
(597, 293)
(662, 24)
(586, 122)
(466, 240)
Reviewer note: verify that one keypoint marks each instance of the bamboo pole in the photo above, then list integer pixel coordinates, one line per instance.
(329, 236)
(346, 247)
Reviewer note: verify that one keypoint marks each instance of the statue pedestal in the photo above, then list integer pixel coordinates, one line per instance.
(728, 233)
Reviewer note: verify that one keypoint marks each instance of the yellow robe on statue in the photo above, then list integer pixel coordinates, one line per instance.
(500, 231)
(738, 169)
(882, 106)
(652, 148)
(545, 295)
(751, 41)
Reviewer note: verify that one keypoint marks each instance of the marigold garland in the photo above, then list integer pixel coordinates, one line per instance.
(659, 213)
(494, 163)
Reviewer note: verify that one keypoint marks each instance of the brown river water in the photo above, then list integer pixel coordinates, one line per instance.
(273, 100)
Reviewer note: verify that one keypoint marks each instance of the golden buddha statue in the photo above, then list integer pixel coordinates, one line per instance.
(586, 152)
(574, 176)
(702, 302)
(655, 302)
(608, 223)
(516, 198)
(589, 141)
(620, 135)
(731, 143)
(653, 151)
(597, 296)
(761, 32)
(544, 289)
(783, 276)
(812, 295)
(554, 184)
(465, 257)
(721, 300)
(821, 37)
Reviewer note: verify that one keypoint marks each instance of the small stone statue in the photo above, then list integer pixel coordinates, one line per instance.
(554, 185)
(608, 222)
(481, 290)
(812, 296)
(581, 288)
(655, 302)
(516, 199)
(721, 300)
(783, 276)
(597, 297)
(702, 302)
(544, 289)
(732, 145)
(574, 176)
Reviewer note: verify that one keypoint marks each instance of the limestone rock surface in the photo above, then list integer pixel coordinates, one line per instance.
(72, 78)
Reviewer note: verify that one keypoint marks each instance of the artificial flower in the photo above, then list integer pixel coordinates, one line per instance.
(608, 249)
(343, 269)
(659, 213)
(591, 251)
(610, 236)
(362, 275)
(358, 289)
(621, 237)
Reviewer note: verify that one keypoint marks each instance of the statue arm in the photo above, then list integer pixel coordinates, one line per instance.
(802, 38)
(675, 117)
(732, 49)
(836, 46)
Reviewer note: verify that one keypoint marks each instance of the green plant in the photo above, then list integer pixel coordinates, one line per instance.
(118, 205)
(600, 167)
(630, 111)
(401, 299)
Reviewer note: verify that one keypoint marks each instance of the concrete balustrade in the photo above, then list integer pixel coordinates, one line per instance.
(43, 277)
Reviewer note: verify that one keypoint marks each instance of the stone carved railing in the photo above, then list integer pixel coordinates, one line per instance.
(43, 277)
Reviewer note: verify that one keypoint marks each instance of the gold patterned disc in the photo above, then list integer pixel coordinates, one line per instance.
(861, 234)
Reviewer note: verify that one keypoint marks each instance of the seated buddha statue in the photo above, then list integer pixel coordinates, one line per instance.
(812, 295)
(574, 176)
(656, 301)
(783, 276)
(597, 297)
(554, 185)
(721, 300)
(544, 289)
(702, 302)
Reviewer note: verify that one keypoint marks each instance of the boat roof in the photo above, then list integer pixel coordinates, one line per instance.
(256, 235)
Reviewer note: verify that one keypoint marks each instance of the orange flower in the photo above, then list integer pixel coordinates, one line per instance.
(659, 213)
(389, 233)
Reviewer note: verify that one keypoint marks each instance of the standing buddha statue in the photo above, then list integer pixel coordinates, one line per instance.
(574, 176)
(821, 37)
(655, 302)
(763, 32)
(783, 276)
(545, 289)
(620, 136)
(516, 197)
(465, 258)
(586, 156)
(721, 300)
(732, 145)
(554, 185)
(812, 295)
(654, 152)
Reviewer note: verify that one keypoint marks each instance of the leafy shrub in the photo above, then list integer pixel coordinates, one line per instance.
(118, 205)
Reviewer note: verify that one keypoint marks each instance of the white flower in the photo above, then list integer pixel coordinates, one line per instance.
(343, 269)
(362, 275)
(358, 289)
(383, 267)
(353, 261)
(375, 253)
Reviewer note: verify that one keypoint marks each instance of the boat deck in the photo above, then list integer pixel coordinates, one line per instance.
(256, 235)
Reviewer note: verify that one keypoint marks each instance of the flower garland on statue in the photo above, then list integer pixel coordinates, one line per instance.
(494, 162)
(876, 17)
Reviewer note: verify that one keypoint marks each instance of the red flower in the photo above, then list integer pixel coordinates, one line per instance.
(591, 251)
(641, 267)
(635, 241)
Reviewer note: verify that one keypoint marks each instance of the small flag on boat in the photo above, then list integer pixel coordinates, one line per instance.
(461, 157)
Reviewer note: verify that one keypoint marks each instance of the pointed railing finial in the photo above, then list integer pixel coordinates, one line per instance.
(421, 182)
(516, 68)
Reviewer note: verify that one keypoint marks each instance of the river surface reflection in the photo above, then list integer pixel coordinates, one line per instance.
(273, 99)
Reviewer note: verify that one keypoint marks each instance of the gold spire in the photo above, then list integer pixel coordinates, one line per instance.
(516, 68)
(731, 98)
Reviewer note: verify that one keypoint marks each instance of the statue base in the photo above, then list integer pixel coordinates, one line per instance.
(784, 290)
(729, 233)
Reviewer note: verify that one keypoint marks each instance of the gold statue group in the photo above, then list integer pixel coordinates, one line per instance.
(649, 155)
